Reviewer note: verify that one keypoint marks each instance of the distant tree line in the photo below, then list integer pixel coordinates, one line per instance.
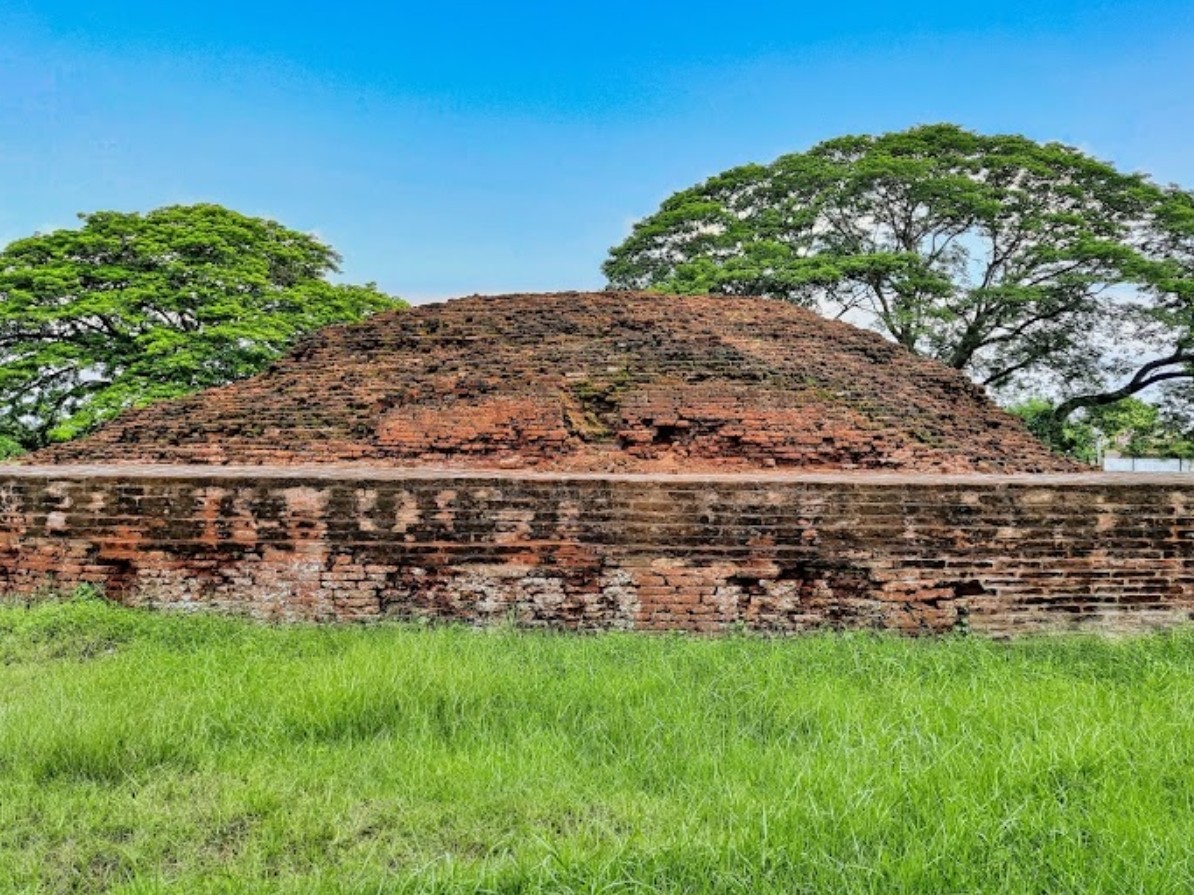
(1129, 427)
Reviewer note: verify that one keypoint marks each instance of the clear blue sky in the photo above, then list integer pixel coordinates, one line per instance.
(448, 148)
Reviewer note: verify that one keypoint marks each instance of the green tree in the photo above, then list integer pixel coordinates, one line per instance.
(1139, 429)
(1131, 426)
(1075, 438)
(1164, 335)
(131, 308)
(1003, 257)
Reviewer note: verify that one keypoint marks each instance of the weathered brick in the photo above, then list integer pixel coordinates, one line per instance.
(587, 381)
(588, 562)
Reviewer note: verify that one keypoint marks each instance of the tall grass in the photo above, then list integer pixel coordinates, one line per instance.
(146, 753)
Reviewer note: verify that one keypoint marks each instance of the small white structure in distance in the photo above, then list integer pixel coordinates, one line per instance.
(1115, 463)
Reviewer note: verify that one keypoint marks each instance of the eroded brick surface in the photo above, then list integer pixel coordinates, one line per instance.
(582, 381)
(693, 552)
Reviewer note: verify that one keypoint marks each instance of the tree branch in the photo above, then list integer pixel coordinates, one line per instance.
(1144, 377)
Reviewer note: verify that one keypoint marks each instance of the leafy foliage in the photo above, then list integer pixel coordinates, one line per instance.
(10, 447)
(1131, 426)
(1165, 336)
(132, 308)
(997, 255)
(1074, 438)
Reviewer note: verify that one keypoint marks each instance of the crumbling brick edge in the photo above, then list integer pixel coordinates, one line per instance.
(917, 553)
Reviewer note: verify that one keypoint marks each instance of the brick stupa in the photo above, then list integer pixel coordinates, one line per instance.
(587, 382)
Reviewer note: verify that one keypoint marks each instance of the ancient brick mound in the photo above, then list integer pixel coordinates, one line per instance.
(587, 382)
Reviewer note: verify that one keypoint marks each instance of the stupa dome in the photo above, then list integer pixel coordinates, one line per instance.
(587, 382)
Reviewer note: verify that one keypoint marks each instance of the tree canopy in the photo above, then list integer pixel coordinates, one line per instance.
(1006, 258)
(130, 308)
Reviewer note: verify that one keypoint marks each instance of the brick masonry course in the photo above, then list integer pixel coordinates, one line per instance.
(772, 552)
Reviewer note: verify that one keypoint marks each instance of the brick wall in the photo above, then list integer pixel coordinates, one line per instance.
(773, 552)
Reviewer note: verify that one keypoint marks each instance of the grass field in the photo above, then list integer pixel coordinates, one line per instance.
(148, 753)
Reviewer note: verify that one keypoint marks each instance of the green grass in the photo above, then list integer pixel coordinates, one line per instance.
(144, 753)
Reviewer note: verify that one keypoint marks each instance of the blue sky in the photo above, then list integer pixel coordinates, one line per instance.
(452, 148)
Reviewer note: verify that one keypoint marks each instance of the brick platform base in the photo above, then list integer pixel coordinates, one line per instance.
(785, 553)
